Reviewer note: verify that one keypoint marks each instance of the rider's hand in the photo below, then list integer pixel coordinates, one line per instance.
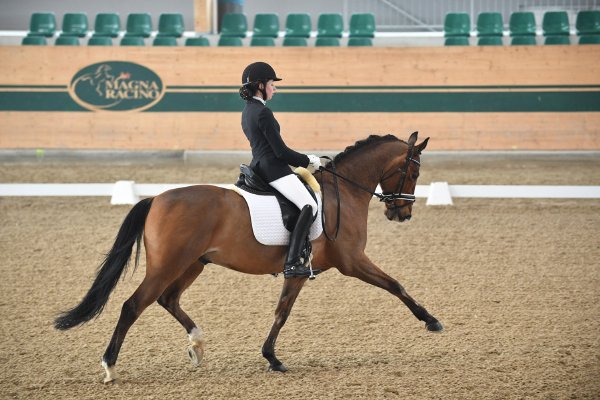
(314, 161)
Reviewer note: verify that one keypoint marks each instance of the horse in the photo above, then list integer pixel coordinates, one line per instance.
(186, 228)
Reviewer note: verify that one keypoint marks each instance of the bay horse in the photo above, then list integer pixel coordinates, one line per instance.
(184, 229)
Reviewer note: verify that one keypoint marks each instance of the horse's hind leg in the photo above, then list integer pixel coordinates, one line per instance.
(366, 271)
(289, 293)
(153, 285)
(170, 301)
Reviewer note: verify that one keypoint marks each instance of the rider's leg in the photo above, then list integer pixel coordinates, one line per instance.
(291, 187)
(293, 190)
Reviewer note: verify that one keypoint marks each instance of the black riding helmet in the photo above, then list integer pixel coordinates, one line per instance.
(259, 72)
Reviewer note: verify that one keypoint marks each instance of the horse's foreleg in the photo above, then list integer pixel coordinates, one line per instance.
(366, 271)
(170, 301)
(289, 293)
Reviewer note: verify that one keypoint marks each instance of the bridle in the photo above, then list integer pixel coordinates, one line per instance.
(388, 198)
(397, 194)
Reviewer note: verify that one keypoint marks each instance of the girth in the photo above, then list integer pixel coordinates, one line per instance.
(251, 182)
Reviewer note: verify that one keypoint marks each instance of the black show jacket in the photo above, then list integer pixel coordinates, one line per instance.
(271, 158)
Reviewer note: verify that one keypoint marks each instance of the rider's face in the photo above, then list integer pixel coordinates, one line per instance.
(270, 89)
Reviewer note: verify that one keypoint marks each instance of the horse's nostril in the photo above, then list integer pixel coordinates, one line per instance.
(408, 217)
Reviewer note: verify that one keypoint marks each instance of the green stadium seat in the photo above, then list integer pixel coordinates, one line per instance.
(34, 41)
(295, 42)
(522, 24)
(230, 41)
(457, 24)
(139, 24)
(234, 25)
(327, 42)
(266, 25)
(298, 25)
(557, 40)
(74, 24)
(100, 41)
(262, 42)
(198, 41)
(171, 25)
(67, 41)
(556, 23)
(489, 41)
(588, 22)
(164, 41)
(489, 24)
(362, 25)
(42, 24)
(330, 25)
(456, 41)
(523, 41)
(589, 39)
(133, 41)
(360, 41)
(107, 24)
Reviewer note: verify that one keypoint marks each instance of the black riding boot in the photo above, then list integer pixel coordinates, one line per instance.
(295, 265)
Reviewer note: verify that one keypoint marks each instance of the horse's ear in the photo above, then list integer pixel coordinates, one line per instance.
(413, 138)
(421, 147)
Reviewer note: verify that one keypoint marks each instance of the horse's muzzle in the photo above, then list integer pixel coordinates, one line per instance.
(395, 214)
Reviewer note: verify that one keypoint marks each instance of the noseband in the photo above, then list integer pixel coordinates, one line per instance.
(387, 197)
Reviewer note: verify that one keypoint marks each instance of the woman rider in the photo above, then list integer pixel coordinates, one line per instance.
(271, 158)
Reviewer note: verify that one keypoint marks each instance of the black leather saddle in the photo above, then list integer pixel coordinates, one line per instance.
(251, 182)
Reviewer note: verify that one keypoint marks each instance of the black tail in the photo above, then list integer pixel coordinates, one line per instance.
(110, 270)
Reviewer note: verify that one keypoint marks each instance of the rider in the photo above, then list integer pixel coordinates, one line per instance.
(271, 158)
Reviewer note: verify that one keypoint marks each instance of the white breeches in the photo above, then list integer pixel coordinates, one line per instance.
(293, 190)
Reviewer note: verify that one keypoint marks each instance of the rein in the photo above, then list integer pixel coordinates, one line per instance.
(337, 195)
(387, 198)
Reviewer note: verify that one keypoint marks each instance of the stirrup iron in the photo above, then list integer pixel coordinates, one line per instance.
(305, 268)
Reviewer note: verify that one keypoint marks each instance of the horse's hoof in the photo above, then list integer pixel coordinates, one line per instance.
(278, 368)
(434, 326)
(111, 373)
(196, 354)
(110, 380)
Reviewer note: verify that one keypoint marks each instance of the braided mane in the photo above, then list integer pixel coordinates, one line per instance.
(372, 139)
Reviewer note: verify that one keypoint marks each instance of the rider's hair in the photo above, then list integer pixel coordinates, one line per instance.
(249, 90)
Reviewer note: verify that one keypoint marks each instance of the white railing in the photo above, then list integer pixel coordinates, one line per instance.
(437, 193)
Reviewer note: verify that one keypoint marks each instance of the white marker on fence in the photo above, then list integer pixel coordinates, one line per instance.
(124, 193)
(439, 194)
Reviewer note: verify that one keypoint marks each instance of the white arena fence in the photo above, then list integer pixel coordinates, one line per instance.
(437, 193)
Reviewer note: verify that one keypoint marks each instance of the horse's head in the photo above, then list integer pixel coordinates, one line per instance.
(399, 180)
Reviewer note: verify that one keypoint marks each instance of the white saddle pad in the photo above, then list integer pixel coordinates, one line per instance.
(267, 222)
